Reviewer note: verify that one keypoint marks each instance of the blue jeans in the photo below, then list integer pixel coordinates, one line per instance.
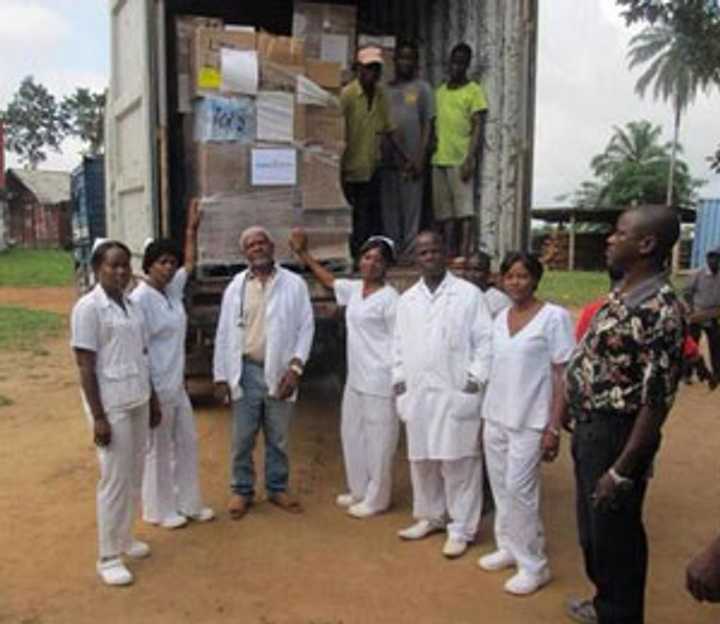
(255, 410)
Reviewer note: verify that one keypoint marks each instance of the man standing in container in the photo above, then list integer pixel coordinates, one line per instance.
(263, 340)
(413, 107)
(703, 297)
(367, 119)
(621, 382)
(461, 108)
(442, 350)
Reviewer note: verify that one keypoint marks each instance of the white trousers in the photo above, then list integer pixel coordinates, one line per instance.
(449, 488)
(121, 471)
(513, 465)
(369, 432)
(171, 484)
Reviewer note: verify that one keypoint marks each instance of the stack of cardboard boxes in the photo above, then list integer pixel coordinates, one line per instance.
(267, 129)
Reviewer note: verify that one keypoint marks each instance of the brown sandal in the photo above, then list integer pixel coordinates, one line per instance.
(238, 506)
(286, 502)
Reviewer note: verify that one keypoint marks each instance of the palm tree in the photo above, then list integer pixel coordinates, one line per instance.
(671, 75)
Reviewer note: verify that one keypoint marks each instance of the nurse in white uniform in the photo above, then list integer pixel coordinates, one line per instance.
(369, 428)
(109, 344)
(171, 489)
(532, 341)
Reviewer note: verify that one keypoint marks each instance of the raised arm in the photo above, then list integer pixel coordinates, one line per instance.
(299, 245)
(193, 223)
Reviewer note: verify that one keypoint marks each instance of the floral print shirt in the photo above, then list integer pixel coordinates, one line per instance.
(631, 355)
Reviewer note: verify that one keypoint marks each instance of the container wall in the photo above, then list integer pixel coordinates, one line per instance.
(707, 230)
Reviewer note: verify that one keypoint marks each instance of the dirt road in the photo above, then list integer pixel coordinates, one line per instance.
(320, 568)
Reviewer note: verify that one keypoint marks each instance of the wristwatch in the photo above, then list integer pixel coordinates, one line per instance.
(621, 482)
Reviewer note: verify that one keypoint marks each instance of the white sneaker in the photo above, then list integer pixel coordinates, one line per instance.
(454, 548)
(498, 560)
(138, 550)
(422, 528)
(361, 510)
(204, 515)
(523, 583)
(114, 572)
(173, 521)
(346, 500)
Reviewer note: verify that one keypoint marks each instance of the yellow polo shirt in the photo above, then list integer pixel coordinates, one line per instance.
(453, 123)
(363, 129)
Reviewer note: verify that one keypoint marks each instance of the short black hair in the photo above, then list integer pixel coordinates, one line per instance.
(434, 234)
(663, 223)
(464, 49)
(158, 248)
(385, 248)
(98, 255)
(482, 261)
(407, 44)
(530, 261)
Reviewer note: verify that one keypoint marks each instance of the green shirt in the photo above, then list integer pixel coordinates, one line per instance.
(453, 123)
(364, 127)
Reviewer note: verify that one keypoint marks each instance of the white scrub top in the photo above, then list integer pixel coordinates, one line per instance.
(496, 300)
(519, 393)
(370, 324)
(117, 337)
(166, 326)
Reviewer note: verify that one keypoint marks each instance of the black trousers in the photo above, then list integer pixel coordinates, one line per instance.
(613, 542)
(364, 197)
(713, 337)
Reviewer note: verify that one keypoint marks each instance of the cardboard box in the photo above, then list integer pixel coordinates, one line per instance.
(185, 27)
(223, 169)
(325, 126)
(328, 30)
(283, 50)
(208, 43)
(324, 73)
(278, 77)
(321, 188)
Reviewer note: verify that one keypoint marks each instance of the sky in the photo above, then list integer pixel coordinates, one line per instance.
(584, 86)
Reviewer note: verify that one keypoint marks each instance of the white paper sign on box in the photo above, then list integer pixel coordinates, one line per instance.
(334, 48)
(273, 167)
(239, 70)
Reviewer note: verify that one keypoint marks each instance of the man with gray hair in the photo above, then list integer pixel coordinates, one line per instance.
(263, 340)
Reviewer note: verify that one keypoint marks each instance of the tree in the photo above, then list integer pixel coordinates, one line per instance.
(83, 112)
(715, 160)
(634, 169)
(33, 123)
(671, 74)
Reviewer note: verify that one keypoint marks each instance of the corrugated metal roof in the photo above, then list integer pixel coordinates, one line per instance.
(50, 187)
(707, 230)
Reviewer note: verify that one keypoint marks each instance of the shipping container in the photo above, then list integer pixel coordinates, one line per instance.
(87, 196)
(707, 230)
(147, 146)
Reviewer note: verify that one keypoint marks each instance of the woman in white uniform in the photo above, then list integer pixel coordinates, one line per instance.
(109, 345)
(532, 341)
(171, 489)
(369, 426)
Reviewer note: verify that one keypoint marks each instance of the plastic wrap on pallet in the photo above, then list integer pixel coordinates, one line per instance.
(207, 52)
(320, 187)
(185, 27)
(223, 168)
(328, 30)
(275, 116)
(280, 49)
(220, 118)
(277, 76)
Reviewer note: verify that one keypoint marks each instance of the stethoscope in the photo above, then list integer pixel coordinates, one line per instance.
(242, 323)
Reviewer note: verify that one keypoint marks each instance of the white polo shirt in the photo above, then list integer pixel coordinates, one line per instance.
(166, 327)
(370, 324)
(519, 391)
(116, 336)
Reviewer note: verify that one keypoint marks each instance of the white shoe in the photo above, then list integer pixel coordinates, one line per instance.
(138, 550)
(361, 510)
(523, 583)
(346, 500)
(422, 528)
(204, 515)
(114, 572)
(173, 521)
(498, 560)
(454, 548)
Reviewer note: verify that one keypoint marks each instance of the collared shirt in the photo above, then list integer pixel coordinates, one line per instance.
(632, 353)
(166, 325)
(364, 127)
(117, 337)
(256, 295)
(703, 291)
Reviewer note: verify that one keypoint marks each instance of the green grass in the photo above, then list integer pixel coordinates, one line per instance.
(36, 267)
(573, 288)
(21, 328)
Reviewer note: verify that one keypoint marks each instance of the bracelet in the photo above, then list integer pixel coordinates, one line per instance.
(553, 431)
(297, 369)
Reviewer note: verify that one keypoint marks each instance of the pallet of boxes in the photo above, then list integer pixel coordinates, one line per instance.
(268, 137)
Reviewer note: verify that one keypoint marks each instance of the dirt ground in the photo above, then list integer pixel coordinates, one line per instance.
(319, 568)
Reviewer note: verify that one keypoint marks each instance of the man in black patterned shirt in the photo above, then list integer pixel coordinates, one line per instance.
(621, 382)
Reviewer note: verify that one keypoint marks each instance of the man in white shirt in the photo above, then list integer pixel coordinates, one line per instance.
(442, 351)
(263, 340)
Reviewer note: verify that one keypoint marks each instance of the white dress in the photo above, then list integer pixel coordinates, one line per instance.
(170, 482)
(369, 427)
(516, 411)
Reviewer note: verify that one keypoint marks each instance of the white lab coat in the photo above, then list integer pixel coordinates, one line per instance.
(442, 340)
(289, 329)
